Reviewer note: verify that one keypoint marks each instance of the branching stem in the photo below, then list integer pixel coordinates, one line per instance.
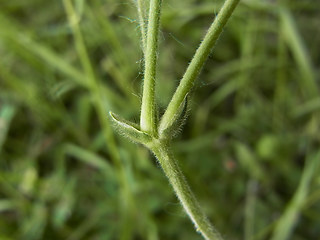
(155, 137)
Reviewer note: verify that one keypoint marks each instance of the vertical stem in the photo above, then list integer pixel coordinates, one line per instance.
(197, 62)
(147, 119)
(142, 20)
(183, 192)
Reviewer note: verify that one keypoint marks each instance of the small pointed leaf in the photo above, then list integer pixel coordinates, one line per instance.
(130, 130)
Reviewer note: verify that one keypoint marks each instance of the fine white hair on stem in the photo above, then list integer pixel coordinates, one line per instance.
(142, 16)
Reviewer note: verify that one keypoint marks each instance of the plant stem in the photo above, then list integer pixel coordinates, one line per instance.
(183, 191)
(150, 134)
(147, 119)
(142, 20)
(197, 62)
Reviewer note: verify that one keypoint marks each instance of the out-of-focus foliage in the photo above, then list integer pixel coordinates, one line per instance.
(250, 148)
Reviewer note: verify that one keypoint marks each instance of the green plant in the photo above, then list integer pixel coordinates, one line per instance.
(157, 135)
(250, 150)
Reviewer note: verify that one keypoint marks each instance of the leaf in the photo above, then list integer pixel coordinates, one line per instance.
(130, 130)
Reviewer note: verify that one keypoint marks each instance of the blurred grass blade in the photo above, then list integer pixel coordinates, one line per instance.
(14, 34)
(307, 108)
(53, 60)
(300, 53)
(79, 7)
(6, 114)
(6, 205)
(64, 208)
(89, 158)
(250, 209)
(11, 32)
(249, 162)
(33, 229)
(288, 220)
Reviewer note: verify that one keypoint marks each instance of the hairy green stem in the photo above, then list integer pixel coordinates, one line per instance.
(183, 191)
(142, 21)
(197, 63)
(147, 119)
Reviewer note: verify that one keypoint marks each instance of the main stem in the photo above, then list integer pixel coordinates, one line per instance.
(147, 118)
(142, 20)
(197, 62)
(183, 191)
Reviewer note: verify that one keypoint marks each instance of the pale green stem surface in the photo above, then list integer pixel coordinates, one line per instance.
(197, 63)
(142, 21)
(183, 191)
(147, 120)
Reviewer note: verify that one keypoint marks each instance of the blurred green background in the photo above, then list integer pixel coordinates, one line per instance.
(250, 148)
